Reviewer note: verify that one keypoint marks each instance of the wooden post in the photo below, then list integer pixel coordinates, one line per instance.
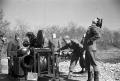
(35, 62)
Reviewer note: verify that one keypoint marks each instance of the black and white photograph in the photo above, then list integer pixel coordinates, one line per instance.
(59, 40)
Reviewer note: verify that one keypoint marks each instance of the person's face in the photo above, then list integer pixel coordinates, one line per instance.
(17, 38)
(68, 41)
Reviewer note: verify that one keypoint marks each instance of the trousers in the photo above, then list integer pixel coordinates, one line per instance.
(90, 60)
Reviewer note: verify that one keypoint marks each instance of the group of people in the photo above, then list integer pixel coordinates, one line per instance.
(88, 46)
(29, 41)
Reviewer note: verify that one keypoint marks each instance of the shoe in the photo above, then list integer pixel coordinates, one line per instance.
(69, 75)
(96, 76)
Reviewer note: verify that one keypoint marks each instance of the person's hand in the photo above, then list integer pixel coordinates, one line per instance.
(8, 57)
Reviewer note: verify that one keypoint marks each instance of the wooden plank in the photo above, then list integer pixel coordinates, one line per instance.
(42, 50)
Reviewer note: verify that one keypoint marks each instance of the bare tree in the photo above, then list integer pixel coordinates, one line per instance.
(3, 23)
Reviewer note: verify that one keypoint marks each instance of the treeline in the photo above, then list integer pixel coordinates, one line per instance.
(74, 31)
(109, 38)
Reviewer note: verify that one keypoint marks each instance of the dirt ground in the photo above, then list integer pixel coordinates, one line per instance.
(108, 63)
(75, 77)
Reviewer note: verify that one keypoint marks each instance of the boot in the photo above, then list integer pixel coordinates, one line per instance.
(96, 76)
(90, 76)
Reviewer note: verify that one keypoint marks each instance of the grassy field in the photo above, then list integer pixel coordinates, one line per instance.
(111, 55)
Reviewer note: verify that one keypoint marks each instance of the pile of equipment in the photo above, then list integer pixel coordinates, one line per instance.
(42, 61)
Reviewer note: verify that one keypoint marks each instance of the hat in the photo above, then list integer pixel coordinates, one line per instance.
(96, 20)
(66, 37)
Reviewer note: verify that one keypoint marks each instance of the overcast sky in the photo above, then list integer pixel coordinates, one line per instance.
(60, 12)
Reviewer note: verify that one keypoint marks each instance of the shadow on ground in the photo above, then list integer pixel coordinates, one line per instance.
(76, 76)
(4, 77)
(110, 60)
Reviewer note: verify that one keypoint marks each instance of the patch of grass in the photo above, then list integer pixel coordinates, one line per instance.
(111, 55)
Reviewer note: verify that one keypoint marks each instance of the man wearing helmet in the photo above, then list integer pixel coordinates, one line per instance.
(13, 45)
(77, 52)
(89, 45)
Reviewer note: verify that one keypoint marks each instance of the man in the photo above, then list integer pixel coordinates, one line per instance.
(32, 39)
(40, 39)
(83, 60)
(1, 43)
(89, 45)
(13, 45)
(77, 52)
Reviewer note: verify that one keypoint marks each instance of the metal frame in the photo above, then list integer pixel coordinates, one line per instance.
(55, 62)
(13, 56)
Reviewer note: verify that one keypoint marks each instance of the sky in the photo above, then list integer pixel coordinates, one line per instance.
(61, 12)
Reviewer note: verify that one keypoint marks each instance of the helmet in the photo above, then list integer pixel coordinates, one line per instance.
(66, 37)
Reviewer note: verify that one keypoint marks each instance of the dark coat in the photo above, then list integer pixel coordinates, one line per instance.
(1, 44)
(13, 45)
(92, 34)
(74, 46)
